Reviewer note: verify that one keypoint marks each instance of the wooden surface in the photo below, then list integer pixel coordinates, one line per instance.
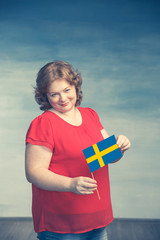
(119, 229)
(134, 229)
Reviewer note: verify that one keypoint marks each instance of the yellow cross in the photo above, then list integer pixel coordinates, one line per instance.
(98, 155)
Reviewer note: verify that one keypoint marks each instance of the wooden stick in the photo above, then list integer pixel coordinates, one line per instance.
(96, 189)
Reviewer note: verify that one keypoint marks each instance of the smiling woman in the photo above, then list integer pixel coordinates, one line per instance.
(63, 187)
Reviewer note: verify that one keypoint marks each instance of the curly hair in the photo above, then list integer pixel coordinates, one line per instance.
(53, 71)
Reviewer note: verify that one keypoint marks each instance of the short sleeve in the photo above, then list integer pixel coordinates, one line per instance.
(40, 133)
(95, 116)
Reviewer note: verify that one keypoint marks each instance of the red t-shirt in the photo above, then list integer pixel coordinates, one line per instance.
(67, 212)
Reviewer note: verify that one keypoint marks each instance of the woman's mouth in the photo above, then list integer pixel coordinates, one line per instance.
(64, 104)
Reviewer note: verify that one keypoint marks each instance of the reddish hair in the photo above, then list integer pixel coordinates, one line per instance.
(51, 72)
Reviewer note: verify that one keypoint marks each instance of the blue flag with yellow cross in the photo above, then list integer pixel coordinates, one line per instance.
(102, 153)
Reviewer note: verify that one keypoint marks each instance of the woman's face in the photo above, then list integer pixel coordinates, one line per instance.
(62, 96)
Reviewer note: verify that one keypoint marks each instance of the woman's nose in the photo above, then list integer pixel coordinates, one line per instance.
(62, 98)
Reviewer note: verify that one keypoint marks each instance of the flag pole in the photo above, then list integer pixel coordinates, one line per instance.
(96, 189)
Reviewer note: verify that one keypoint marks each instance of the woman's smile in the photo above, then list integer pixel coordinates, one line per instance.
(64, 104)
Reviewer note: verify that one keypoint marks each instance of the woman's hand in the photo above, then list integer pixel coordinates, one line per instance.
(123, 143)
(83, 185)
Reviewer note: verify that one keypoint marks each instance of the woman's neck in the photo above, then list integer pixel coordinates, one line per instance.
(73, 116)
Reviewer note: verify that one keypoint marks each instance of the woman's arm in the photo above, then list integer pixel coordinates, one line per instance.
(37, 160)
(104, 133)
(122, 141)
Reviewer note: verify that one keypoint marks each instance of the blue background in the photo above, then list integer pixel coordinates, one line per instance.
(115, 46)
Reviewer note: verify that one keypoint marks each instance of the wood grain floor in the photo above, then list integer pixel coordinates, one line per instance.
(119, 229)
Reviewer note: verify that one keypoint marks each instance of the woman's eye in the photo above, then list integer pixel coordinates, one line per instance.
(67, 90)
(53, 95)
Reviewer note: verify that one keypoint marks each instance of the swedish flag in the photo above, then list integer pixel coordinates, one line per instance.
(102, 153)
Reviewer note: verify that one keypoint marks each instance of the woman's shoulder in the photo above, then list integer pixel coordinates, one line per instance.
(88, 110)
(40, 132)
(44, 117)
(91, 115)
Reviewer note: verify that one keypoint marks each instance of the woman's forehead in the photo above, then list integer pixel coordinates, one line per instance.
(58, 85)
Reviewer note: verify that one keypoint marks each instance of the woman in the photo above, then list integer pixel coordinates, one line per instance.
(65, 203)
